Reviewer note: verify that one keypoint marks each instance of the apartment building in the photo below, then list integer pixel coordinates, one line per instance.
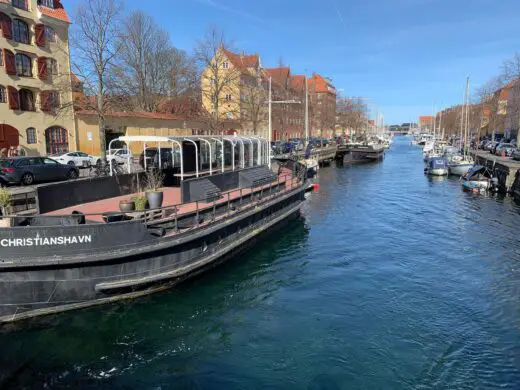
(322, 95)
(288, 119)
(233, 90)
(36, 112)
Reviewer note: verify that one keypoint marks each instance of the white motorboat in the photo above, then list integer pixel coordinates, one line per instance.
(437, 166)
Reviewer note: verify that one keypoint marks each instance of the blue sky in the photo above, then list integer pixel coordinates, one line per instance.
(407, 56)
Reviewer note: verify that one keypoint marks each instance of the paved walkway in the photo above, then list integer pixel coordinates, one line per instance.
(507, 161)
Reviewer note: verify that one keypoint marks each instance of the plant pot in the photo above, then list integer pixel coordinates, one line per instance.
(155, 199)
(127, 206)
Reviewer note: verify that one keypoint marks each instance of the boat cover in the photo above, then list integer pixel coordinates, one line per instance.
(437, 162)
(477, 170)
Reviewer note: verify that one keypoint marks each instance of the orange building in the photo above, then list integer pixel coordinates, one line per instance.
(426, 122)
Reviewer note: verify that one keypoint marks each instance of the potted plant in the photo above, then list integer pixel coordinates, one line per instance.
(140, 203)
(5, 203)
(154, 181)
(126, 205)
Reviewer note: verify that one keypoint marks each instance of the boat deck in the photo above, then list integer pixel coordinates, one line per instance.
(172, 198)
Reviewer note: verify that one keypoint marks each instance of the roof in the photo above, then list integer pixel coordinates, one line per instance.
(426, 118)
(321, 85)
(133, 114)
(58, 12)
(279, 75)
(242, 61)
(297, 81)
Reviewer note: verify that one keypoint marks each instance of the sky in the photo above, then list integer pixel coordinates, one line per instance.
(406, 57)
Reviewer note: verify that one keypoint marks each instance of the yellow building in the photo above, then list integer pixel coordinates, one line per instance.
(232, 89)
(35, 90)
(130, 123)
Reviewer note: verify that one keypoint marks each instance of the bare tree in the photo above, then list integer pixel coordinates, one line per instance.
(143, 60)
(96, 46)
(351, 113)
(219, 78)
(253, 99)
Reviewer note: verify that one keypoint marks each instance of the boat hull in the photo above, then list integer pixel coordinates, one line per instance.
(87, 277)
(438, 171)
(459, 169)
(477, 184)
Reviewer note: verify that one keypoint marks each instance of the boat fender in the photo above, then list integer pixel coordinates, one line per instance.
(315, 187)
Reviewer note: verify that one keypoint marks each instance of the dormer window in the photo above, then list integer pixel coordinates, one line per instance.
(225, 65)
(20, 4)
(46, 3)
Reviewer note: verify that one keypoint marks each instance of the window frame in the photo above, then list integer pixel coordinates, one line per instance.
(23, 57)
(52, 66)
(20, 4)
(31, 136)
(52, 37)
(17, 31)
(46, 3)
(23, 106)
(3, 94)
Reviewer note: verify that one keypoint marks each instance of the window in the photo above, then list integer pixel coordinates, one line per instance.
(1, 58)
(20, 31)
(3, 94)
(56, 140)
(20, 4)
(46, 3)
(26, 100)
(48, 161)
(23, 65)
(31, 135)
(54, 99)
(225, 65)
(50, 34)
(52, 66)
(228, 97)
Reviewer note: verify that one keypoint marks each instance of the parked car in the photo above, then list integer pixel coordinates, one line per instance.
(78, 159)
(28, 170)
(516, 154)
(508, 148)
(490, 146)
(152, 158)
(483, 143)
(116, 156)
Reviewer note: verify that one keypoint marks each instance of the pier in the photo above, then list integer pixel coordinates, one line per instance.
(323, 155)
(503, 168)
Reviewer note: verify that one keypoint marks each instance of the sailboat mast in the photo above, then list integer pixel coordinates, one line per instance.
(466, 127)
(462, 119)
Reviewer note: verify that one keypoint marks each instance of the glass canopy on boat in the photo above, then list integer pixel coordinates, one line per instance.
(239, 151)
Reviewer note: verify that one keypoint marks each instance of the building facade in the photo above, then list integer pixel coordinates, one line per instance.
(322, 96)
(36, 112)
(233, 90)
(288, 119)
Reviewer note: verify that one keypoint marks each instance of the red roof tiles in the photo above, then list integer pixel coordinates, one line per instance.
(243, 61)
(58, 12)
(297, 82)
(321, 85)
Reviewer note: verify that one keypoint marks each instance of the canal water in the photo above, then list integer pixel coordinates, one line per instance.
(389, 280)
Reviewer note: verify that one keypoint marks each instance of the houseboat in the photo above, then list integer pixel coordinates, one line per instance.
(82, 249)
